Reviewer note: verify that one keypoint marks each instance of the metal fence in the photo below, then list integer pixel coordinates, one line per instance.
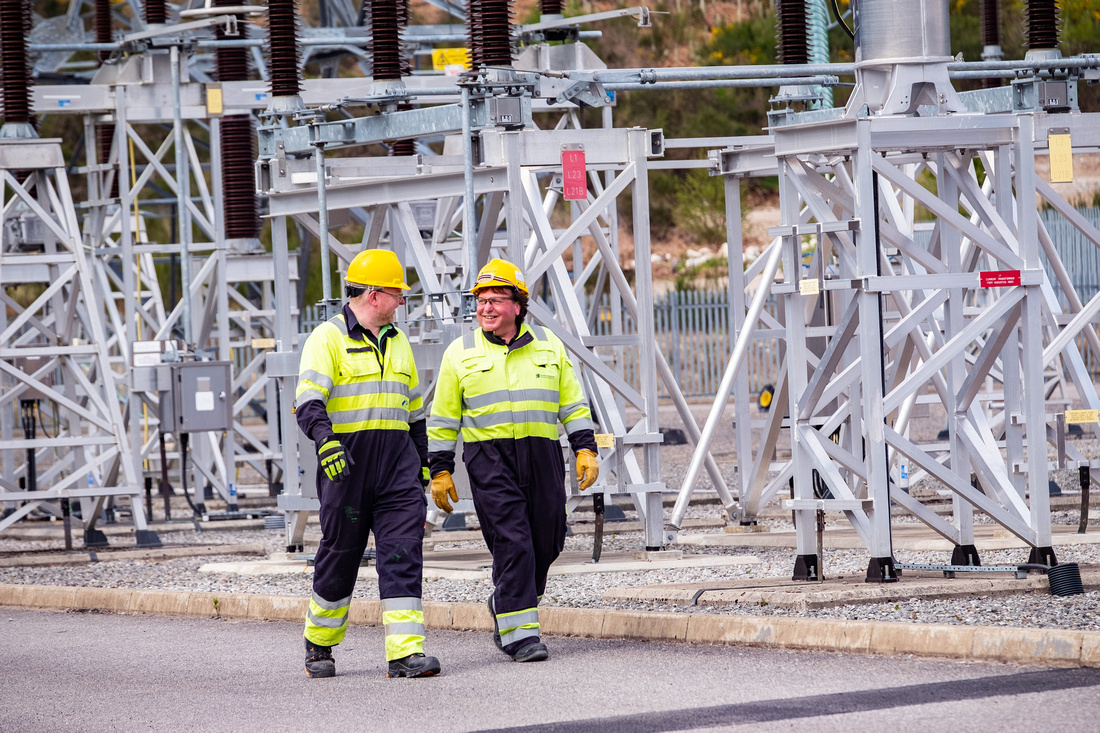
(692, 329)
(1081, 258)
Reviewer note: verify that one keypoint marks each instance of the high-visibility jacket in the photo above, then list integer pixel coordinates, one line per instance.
(492, 391)
(360, 388)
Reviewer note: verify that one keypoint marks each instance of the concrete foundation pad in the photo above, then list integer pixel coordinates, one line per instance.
(799, 595)
(915, 537)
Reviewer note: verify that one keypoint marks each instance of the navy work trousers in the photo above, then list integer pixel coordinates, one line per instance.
(383, 493)
(519, 494)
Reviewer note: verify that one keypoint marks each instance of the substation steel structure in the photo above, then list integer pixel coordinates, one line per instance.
(847, 180)
(884, 322)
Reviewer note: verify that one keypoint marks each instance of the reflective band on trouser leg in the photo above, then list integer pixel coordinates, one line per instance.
(518, 625)
(327, 621)
(404, 622)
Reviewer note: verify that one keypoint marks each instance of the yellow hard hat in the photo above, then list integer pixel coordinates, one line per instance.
(499, 273)
(379, 268)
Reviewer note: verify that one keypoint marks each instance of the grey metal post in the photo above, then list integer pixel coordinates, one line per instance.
(516, 229)
(737, 357)
(742, 414)
(322, 227)
(954, 321)
(1032, 331)
(131, 280)
(870, 343)
(654, 520)
(183, 217)
(469, 214)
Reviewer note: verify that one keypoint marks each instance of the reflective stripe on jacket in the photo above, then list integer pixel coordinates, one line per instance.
(360, 388)
(491, 391)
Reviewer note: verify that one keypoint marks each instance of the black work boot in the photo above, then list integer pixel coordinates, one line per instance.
(534, 652)
(496, 627)
(319, 661)
(414, 665)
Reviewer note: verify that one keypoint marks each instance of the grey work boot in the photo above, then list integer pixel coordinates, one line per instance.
(319, 661)
(534, 652)
(414, 665)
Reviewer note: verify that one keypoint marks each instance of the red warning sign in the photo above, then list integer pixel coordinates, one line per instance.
(573, 175)
(999, 278)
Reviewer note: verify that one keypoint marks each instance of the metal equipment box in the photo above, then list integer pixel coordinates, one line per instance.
(200, 397)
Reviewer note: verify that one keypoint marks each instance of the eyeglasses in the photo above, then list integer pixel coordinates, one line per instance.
(399, 298)
(495, 302)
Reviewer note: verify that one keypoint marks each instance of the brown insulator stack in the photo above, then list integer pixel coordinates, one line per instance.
(282, 48)
(489, 30)
(991, 32)
(387, 20)
(550, 7)
(15, 75)
(156, 12)
(791, 35)
(385, 40)
(104, 134)
(242, 219)
(1042, 24)
(103, 25)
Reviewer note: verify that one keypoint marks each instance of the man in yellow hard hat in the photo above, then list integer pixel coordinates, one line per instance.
(507, 385)
(359, 401)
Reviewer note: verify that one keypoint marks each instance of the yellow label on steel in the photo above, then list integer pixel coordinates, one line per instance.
(1076, 417)
(263, 343)
(605, 440)
(1061, 158)
(444, 59)
(214, 100)
(809, 287)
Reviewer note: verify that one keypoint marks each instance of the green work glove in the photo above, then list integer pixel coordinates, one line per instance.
(334, 460)
(588, 468)
(442, 487)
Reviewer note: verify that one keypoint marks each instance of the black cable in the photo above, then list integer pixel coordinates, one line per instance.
(840, 18)
(183, 473)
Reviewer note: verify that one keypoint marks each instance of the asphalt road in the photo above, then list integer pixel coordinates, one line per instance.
(96, 672)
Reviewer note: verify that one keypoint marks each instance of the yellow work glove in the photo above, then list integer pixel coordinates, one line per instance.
(442, 487)
(335, 461)
(588, 468)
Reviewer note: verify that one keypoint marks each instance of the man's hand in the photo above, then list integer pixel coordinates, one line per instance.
(335, 462)
(442, 487)
(588, 468)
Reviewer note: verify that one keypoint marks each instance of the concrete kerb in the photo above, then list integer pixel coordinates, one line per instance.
(1049, 647)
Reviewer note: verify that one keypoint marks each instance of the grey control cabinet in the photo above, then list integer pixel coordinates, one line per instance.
(200, 397)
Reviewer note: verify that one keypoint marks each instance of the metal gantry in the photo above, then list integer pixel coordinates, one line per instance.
(893, 315)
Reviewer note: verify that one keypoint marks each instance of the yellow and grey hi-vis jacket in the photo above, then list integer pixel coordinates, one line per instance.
(350, 387)
(493, 391)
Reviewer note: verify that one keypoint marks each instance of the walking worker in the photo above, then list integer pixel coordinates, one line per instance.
(507, 385)
(359, 401)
